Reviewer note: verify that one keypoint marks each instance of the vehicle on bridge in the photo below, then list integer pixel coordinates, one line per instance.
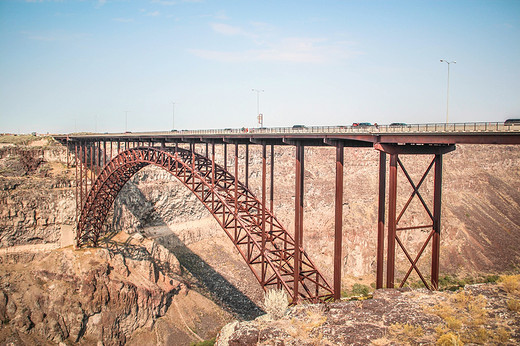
(510, 122)
(361, 124)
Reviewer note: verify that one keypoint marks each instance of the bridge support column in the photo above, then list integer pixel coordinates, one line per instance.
(298, 218)
(247, 166)
(434, 220)
(392, 210)
(338, 221)
(381, 220)
(436, 241)
(264, 187)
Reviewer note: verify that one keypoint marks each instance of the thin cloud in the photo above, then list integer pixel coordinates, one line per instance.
(226, 29)
(153, 14)
(295, 50)
(164, 2)
(52, 36)
(123, 20)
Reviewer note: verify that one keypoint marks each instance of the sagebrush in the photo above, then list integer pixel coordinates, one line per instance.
(276, 303)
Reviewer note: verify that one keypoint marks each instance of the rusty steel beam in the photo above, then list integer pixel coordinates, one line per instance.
(264, 187)
(392, 222)
(338, 221)
(298, 218)
(76, 196)
(247, 166)
(271, 187)
(436, 222)
(381, 220)
(215, 188)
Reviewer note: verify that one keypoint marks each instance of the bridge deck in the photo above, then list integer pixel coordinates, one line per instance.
(354, 136)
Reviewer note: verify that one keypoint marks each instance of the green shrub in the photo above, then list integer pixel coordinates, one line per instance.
(360, 290)
(209, 342)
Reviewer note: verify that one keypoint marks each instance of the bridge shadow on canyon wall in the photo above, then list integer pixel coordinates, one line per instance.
(214, 285)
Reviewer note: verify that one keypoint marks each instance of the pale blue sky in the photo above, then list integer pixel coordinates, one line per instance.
(79, 65)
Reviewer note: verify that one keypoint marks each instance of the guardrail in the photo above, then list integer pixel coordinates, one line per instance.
(490, 127)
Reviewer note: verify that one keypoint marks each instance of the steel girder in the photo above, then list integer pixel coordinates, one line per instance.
(265, 245)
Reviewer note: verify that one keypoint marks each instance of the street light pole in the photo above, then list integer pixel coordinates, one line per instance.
(260, 117)
(448, 89)
(173, 116)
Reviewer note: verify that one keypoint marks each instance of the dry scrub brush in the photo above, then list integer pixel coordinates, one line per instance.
(276, 303)
(511, 284)
(466, 321)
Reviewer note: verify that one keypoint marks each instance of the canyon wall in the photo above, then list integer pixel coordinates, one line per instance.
(480, 204)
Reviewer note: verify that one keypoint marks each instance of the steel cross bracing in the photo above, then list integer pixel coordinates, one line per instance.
(270, 251)
(267, 248)
(433, 220)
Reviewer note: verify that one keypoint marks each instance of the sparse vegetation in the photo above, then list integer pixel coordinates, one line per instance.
(449, 339)
(305, 326)
(17, 139)
(513, 305)
(465, 321)
(511, 284)
(405, 332)
(358, 290)
(209, 342)
(276, 303)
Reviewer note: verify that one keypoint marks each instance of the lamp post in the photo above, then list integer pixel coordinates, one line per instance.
(448, 89)
(173, 116)
(260, 116)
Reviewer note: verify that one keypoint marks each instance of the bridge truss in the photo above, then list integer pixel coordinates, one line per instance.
(275, 256)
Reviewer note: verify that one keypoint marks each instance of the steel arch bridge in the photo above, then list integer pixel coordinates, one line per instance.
(266, 246)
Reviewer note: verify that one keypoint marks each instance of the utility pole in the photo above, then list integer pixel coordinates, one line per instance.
(173, 116)
(448, 89)
(259, 116)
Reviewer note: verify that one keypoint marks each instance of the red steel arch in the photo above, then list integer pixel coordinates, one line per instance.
(267, 249)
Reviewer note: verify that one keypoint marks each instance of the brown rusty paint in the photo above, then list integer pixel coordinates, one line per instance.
(319, 139)
(436, 222)
(278, 262)
(392, 206)
(381, 220)
(297, 228)
(338, 221)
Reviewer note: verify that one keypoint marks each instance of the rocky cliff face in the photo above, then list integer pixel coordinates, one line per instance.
(94, 295)
(36, 194)
(480, 223)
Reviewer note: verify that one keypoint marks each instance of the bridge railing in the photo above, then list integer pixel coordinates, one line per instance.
(477, 127)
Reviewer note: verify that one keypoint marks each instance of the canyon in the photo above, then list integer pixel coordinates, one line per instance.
(170, 273)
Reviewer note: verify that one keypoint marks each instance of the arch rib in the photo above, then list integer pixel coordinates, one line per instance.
(232, 204)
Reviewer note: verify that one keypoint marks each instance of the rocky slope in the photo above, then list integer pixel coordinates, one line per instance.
(37, 203)
(480, 230)
(480, 314)
(114, 295)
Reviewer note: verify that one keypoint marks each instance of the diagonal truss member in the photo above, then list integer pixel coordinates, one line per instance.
(434, 215)
(268, 249)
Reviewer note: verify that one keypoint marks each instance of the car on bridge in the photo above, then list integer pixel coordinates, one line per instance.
(510, 122)
(398, 125)
(361, 124)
